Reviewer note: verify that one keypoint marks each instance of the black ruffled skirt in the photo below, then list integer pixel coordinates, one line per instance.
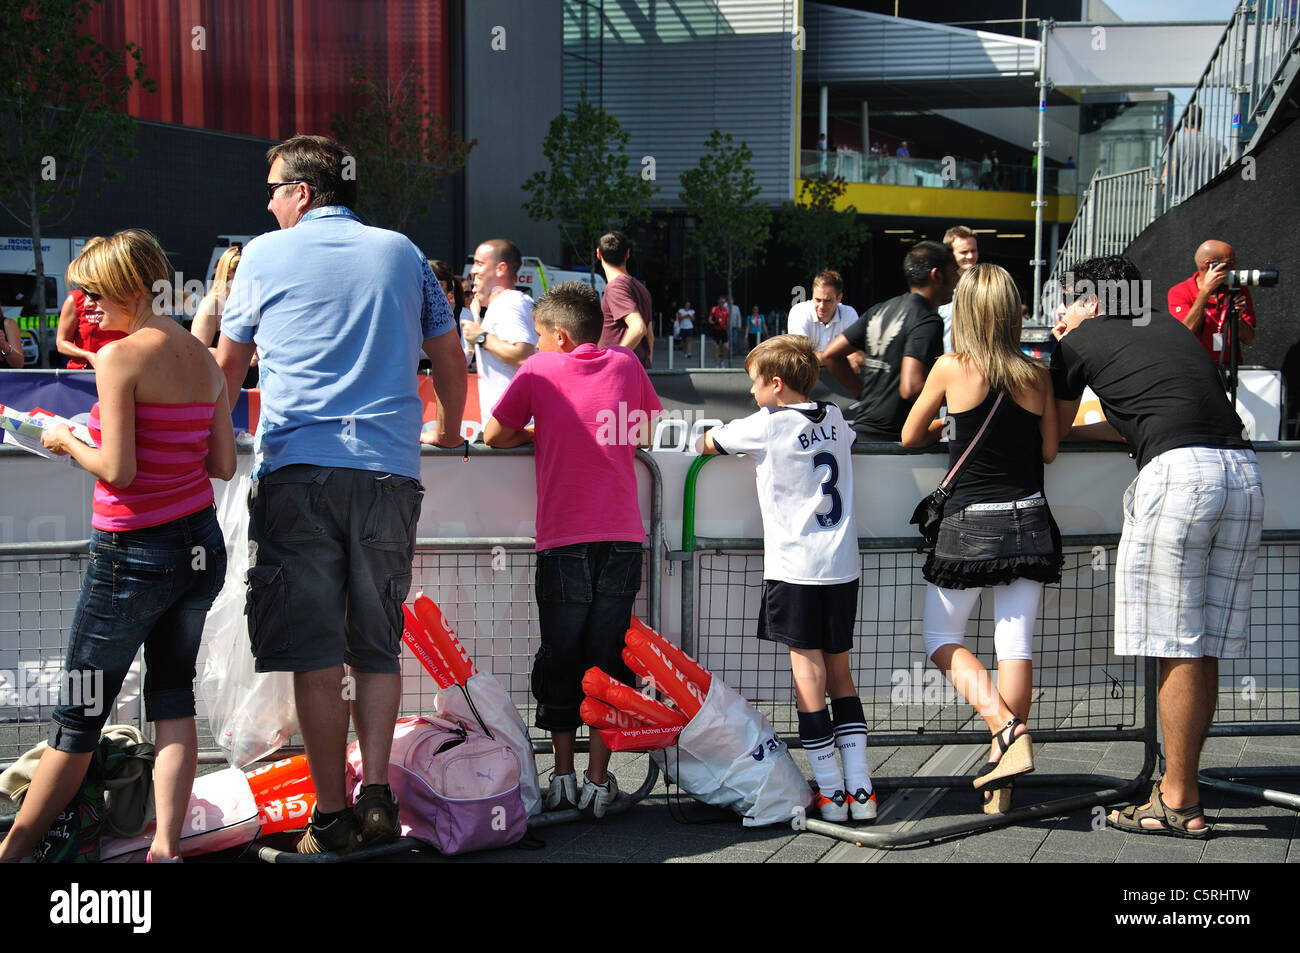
(978, 548)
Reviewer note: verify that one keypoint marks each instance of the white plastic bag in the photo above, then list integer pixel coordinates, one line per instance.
(497, 713)
(222, 814)
(251, 715)
(730, 756)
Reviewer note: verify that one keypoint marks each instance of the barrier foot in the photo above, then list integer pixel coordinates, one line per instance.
(1218, 779)
(882, 839)
(271, 855)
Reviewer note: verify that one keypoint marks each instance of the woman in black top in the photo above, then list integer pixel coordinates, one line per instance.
(997, 531)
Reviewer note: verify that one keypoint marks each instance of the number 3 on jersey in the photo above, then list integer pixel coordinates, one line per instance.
(832, 518)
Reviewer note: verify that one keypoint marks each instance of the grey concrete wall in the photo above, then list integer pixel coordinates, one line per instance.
(514, 90)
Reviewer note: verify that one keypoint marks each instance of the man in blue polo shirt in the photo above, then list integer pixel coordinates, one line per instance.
(339, 313)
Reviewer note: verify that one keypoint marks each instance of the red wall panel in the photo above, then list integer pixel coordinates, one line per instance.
(274, 68)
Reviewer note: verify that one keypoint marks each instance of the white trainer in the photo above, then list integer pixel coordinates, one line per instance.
(562, 794)
(834, 809)
(862, 806)
(597, 797)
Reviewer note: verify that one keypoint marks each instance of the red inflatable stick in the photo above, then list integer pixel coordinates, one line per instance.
(638, 739)
(440, 631)
(596, 713)
(284, 794)
(278, 780)
(642, 657)
(599, 685)
(416, 636)
(693, 670)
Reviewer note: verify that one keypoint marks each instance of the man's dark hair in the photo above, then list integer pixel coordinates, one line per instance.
(924, 258)
(573, 306)
(1113, 279)
(1192, 118)
(614, 247)
(507, 251)
(318, 161)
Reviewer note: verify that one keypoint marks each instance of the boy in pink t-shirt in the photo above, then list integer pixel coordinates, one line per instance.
(591, 408)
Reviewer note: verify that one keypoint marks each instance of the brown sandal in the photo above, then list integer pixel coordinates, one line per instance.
(1172, 823)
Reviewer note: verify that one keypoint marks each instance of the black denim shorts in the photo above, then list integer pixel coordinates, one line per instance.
(979, 548)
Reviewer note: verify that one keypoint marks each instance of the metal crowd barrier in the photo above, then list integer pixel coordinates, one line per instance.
(484, 587)
(1083, 693)
(1264, 699)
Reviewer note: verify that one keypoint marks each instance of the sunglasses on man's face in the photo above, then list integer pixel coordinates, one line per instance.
(272, 186)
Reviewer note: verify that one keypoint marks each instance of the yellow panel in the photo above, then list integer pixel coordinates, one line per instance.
(950, 204)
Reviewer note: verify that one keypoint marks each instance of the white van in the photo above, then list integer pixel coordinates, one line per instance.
(535, 278)
(18, 286)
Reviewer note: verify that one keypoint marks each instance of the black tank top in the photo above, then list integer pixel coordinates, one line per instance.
(1008, 463)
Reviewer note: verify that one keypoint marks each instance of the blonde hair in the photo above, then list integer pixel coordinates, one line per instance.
(226, 266)
(120, 266)
(986, 328)
(788, 356)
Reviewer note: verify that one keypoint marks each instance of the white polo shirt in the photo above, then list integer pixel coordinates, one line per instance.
(803, 320)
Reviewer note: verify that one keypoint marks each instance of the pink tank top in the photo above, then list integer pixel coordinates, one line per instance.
(171, 479)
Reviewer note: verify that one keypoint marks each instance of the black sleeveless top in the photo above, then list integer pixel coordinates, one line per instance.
(1008, 463)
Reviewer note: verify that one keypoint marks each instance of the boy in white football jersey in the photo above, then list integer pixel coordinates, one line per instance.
(810, 559)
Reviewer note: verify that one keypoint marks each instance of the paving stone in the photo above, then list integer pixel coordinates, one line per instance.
(806, 848)
(1063, 857)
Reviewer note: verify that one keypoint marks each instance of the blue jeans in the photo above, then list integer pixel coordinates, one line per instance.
(585, 595)
(150, 587)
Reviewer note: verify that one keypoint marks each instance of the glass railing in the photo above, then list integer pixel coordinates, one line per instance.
(946, 173)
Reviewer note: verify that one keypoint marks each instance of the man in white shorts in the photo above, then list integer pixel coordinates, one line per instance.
(1192, 518)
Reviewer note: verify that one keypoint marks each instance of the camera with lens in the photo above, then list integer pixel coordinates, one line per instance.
(1252, 278)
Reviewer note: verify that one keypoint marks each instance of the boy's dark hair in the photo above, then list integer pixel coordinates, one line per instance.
(614, 247)
(829, 277)
(318, 161)
(573, 307)
(922, 259)
(787, 356)
(1114, 280)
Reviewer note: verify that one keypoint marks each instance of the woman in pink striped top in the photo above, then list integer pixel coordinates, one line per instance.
(157, 558)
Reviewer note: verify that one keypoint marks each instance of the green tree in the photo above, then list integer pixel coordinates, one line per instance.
(825, 237)
(731, 227)
(589, 188)
(62, 103)
(402, 148)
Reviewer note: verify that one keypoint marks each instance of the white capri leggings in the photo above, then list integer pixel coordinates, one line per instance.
(1015, 608)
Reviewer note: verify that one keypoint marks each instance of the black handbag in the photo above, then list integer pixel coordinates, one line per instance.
(929, 512)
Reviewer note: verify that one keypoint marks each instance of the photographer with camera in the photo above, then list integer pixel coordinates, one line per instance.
(1203, 301)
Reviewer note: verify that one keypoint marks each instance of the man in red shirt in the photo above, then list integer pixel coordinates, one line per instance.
(719, 314)
(1201, 302)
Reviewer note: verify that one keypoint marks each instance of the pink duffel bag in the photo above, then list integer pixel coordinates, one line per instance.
(456, 790)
